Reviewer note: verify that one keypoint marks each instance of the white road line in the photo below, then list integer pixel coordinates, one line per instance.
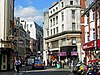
(20, 73)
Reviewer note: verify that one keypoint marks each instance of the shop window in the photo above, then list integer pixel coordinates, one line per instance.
(64, 42)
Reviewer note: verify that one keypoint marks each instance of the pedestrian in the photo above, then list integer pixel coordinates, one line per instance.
(62, 63)
(66, 61)
(17, 64)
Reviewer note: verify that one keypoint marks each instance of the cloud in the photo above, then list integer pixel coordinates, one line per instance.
(29, 13)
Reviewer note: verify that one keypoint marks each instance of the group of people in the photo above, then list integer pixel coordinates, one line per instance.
(62, 63)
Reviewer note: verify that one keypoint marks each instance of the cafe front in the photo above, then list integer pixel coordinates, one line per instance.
(92, 50)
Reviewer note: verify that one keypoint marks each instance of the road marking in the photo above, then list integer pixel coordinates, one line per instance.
(20, 73)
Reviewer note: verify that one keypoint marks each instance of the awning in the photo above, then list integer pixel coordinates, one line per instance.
(92, 61)
(91, 45)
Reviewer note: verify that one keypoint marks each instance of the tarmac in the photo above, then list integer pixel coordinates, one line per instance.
(28, 69)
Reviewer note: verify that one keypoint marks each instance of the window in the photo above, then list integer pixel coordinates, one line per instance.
(51, 31)
(93, 16)
(55, 44)
(62, 16)
(94, 36)
(30, 25)
(71, 2)
(73, 14)
(74, 41)
(73, 26)
(53, 10)
(56, 19)
(88, 36)
(63, 27)
(64, 42)
(54, 30)
(51, 23)
(57, 29)
(62, 4)
(47, 33)
(25, 26)
(56, 8)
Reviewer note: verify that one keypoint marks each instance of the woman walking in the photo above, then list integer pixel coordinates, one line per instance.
(17, 64)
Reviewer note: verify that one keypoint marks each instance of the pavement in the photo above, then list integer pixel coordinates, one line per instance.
(23, 70)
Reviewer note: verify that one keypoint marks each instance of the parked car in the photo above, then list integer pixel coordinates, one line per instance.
(38, 64)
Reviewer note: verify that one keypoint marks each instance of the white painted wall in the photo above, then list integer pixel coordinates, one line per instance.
(32, 29)
(1, 19)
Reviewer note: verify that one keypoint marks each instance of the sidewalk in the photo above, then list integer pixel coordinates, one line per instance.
(7, 73)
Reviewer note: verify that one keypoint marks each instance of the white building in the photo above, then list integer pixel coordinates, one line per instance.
(31, 27)
(36, 33)
(62, 30)
(6, 24)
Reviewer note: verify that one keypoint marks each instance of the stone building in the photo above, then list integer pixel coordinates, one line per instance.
(62, 31)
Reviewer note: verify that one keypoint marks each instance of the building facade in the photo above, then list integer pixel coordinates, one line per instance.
(6, 24)
(21, 39)
(62, 31)
(36, 37)
(92, 30)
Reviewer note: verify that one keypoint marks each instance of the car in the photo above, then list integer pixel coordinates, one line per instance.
(38, 64)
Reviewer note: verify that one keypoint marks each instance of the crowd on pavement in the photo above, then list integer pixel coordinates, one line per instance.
(61, 64)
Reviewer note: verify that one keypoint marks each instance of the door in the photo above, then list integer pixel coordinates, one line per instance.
(4, 62)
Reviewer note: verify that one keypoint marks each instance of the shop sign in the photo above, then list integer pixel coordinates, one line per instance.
(74, 53)
(88, 45)
(62, 54)
(91, 45)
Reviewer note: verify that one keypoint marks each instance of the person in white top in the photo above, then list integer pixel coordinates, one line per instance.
(17, 64)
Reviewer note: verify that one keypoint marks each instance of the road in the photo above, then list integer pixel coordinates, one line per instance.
(52, 71)
(46, 71)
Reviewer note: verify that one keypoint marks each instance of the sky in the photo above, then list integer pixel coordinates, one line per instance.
(32, 10)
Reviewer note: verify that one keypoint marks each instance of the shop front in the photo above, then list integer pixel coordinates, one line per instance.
(92, 50)
(6, 59)
(69, 52)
